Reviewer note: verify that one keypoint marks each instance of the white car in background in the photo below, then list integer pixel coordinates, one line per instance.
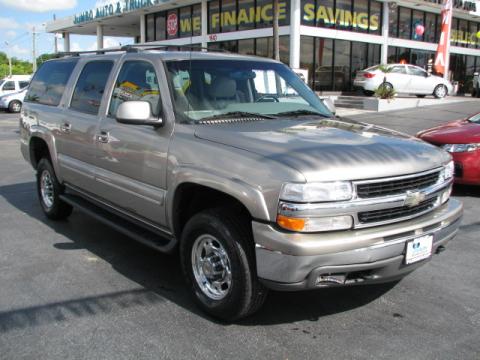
(403, 78)
(13, 102)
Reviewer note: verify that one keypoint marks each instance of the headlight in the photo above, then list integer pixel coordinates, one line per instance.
(458, 148)
(317, 192)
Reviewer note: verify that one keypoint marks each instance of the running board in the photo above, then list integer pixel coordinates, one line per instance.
(143, 234)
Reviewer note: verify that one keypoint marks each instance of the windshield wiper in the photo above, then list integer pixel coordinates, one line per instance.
(301, 113)
(237, 114)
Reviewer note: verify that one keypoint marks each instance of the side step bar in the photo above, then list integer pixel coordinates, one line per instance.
(143, 234)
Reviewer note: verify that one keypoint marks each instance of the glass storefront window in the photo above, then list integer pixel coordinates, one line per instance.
(323, 64)
(430, 28)
(405, 23)
(245, 15)
(392, 55)
(344, 7)
(341, 66)
(171, 14)
(185, 21)
(463, 33)
(264, 14)
(246, 47)
(213, 17)
(375, 19)
(417, 22)
(228, 21)
(306, 60)
(264, 47)
(160, 26)
(150, 27)
(360, 9)
(472, 30)
(359, 61)
(393, 22)
(308, 13)
(197, 20)
(323, 11)
(403, 56)
(374, 51)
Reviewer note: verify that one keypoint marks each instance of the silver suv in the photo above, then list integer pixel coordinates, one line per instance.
(236, 163)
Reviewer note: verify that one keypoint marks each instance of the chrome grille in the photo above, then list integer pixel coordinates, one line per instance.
(398, 186)
(376, 216)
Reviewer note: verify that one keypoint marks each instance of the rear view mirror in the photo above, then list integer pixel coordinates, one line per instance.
(137, 113)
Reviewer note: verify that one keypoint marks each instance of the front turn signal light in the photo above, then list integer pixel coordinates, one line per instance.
(289, 223)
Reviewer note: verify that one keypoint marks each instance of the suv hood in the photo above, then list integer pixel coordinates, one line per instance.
(329, 149)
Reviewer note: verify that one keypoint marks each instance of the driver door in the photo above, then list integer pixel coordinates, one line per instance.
(132, 159)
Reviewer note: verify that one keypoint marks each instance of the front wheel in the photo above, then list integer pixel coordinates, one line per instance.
(49, 191)
(218, 261)
(15, 106)
(440, 91)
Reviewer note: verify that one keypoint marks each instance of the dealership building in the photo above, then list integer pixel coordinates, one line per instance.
(332, 39)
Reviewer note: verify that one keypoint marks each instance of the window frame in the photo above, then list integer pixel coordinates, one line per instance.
(68, 105)
(116, 74)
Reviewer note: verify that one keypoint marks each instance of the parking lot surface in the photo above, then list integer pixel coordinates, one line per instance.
(80, 290)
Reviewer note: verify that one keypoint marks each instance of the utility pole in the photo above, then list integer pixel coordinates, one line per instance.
(276, 37)
(9, 58)
(34, 55)
(55, 37)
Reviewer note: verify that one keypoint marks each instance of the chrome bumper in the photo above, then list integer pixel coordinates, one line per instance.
(293, 261)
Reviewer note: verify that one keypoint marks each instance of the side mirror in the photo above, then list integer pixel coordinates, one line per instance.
(137, 113)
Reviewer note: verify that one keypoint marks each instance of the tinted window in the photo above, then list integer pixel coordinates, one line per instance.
(137, 80)
(9, 85)
(90, 86)
(24, 84)
(49, 82)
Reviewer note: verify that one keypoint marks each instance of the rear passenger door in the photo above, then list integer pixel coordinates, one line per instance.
(132, 159)
(76, 135)
(399, 78)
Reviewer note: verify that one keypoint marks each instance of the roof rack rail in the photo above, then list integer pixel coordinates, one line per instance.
(135, 48)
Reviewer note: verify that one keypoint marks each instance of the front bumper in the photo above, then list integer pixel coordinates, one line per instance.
(294, 261)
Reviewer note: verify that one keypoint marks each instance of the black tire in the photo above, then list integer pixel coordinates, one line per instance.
(420, 96)
(246, 294)
(386, 85)
(368, 92)
(57, 209)
(440, 91)
(14, 106)
(477, 90)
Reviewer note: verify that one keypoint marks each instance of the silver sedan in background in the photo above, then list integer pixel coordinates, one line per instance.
(406, 79)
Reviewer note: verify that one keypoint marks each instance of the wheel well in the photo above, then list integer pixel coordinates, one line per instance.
(190, 199)
(38, 150)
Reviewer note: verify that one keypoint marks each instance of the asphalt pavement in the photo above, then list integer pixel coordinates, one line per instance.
(79, 290)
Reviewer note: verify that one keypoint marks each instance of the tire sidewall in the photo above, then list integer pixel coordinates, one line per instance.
(206, 223)
(44, 165)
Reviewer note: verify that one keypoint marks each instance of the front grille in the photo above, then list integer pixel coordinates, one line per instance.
(395, 213)
(399, 186)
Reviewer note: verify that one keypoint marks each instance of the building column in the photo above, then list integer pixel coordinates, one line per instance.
(385, 21)
(99, 36)
(295, 22)
(66, 42)
(204, 18)
(143, 29)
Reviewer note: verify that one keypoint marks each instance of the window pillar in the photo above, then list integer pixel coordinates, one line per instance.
(204, 17)
(295, 15)
(385, 21)
(66, 41)
(99, 36)
(143, 29)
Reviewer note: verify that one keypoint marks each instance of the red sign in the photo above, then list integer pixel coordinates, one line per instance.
(172, 24)
(443, 49)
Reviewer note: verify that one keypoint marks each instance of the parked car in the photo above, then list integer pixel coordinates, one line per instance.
(14, 83)
(475, 85)
(13, 102)
(257, 187)
(407, 79)
(461, 138)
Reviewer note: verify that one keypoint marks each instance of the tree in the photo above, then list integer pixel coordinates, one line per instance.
(44, 57)
(276, 37)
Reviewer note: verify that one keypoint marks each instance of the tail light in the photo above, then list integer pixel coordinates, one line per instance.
(368, 75)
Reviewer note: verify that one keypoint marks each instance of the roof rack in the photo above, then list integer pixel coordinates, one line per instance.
(136, 48)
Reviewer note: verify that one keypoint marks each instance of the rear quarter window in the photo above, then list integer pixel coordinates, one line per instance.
(48, 84)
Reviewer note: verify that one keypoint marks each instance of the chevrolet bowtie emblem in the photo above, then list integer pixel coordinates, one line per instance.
(413, 198)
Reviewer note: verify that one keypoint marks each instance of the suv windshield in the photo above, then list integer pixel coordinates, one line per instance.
(212, 89)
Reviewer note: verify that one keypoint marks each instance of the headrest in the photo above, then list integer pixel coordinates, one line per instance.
(223, 87)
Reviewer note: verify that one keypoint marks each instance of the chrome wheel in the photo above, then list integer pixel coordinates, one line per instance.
(211, 267)
(46, 189)
(440, 91)
(16, 107)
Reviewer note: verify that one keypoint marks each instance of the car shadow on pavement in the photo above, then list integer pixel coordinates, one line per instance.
(466, 190)
(159, 276)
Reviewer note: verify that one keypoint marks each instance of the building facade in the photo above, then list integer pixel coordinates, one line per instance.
(332, 39)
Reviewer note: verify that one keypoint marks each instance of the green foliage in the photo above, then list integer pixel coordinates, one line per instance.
(385, 92)
(19, 67)
(44, 57)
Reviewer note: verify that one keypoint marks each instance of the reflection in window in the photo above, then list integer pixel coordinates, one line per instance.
(393, 22)
(308, 13)
(417, 21)
(306, 60)
(430, 30)
(150, 27)
(360, 8)
(160, 27)
(213, 17)
(341, 68)
(323, 64)
(228, 16)
(197, 20)
(244, 17)
(375, 17)
(404, 26)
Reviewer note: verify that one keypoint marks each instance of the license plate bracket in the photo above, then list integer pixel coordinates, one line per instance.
(419, 249)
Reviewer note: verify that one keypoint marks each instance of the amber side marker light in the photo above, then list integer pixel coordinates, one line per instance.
(289, 223)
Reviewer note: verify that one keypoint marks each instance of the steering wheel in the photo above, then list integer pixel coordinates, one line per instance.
(268, 96)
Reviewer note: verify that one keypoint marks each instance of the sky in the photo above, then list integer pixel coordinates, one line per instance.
(18, 17)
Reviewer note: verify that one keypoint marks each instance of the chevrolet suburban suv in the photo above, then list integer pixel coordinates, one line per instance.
(234, 164)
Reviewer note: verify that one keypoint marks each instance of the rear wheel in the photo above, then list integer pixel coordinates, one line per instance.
(218, 261)
(440, 91)
(49, 191)
(14, 106)
(386, 86)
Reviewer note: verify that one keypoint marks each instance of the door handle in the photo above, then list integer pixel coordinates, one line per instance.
(103, 137)
(66, 128)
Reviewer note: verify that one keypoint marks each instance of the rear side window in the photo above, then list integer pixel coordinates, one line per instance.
(9, 85)
(24, 84)
(137, 80)
(90, 87)
(398, 69)
(49, 82)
